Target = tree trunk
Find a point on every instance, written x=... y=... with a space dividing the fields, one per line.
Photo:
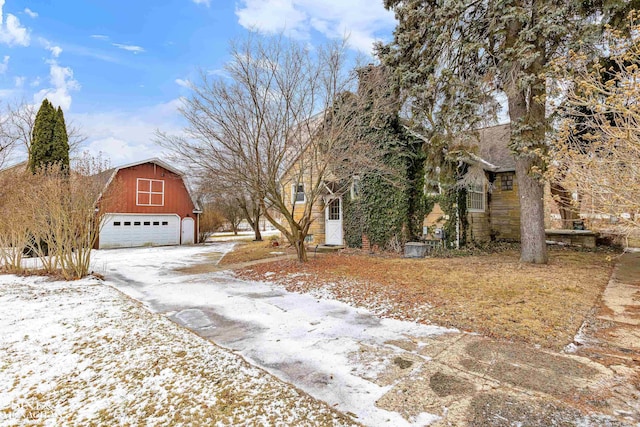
x=531 y=191
x=564 y=199
x=301 y=249
x=526 y=92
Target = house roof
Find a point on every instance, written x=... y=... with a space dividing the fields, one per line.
x=493 y=148
x=109 y=175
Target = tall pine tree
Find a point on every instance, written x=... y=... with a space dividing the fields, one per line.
x=50 y=142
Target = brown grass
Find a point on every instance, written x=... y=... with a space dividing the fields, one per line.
x=251 y=251
x=491 y=294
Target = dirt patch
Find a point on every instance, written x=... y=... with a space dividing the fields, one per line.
x=492 y=294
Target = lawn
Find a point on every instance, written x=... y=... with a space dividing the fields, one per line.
x=250 y=251
x=492 y=294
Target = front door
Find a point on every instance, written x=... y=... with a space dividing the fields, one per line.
x=333 y=221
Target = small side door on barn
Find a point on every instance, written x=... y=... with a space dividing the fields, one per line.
x=188 y=231
x=333 y=221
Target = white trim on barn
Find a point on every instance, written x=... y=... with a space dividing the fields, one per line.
x=120 y=230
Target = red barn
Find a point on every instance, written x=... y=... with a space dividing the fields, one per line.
x=149 y=205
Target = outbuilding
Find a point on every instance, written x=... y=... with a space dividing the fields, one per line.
x=150 y=204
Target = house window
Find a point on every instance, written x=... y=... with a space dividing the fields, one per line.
x=334 y=210
x=506 y=182
x=136 y=222
x=356 y=188
x=147 y=223
x=156 y=222
x=475 y=198
x=116 y=223
x=150 y=192
x=127 y=223
x=165 y=222
x=308 y=238
x=297 y=193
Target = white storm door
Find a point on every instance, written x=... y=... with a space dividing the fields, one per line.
x=333 y=221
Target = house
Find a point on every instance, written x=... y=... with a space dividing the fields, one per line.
x=326 y=212
x=149 y=204
x=492 y=199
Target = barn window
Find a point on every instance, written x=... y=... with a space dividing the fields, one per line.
x=475 y=198
x=506 y=182
x=127 y=223
x=156 y=222
x=150 y=192
x=297 y=193
x=165 y=222
x=116 y=223
x=147 y=223
x=136 y=222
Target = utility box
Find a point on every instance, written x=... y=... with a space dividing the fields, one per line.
x=415 y=250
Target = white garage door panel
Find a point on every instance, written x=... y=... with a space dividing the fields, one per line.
x=124 y=231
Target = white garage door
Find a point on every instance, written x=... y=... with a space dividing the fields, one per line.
x=125 y=231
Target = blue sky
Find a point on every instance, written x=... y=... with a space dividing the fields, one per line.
x=118 y=69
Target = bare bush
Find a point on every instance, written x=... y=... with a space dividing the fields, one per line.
x=56 y=215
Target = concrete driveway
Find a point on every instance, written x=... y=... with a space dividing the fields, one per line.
x=379 y=371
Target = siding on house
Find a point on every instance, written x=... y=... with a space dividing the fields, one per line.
x=505 y=210
x=316 y=235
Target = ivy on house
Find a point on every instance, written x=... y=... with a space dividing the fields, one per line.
x=390 y=206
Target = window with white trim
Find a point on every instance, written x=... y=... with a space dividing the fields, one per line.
x=150 y=192
x=475 y=198
x=297 y=193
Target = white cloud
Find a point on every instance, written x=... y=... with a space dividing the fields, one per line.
x=19 y=81
x=361 y=20
x=99 y=37
x=204 y=2
x=63 y=83
x=128 y=136
x=55 y=50
x=30 y=12
x=183 y=83
x=4 y=65
x=11 y=32
x=35 y=82
x=129 y=47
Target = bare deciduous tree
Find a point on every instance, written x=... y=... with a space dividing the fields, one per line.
x=602 y=107
x=273 y=116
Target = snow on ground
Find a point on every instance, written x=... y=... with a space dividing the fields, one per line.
x=82 y=353
x=312 y=343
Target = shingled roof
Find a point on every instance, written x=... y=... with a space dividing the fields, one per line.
x=493 y=147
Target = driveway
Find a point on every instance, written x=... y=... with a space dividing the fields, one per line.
x=379 y=371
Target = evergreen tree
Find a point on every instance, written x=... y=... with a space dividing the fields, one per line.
x=43 y=127
x=453 y=57
x=60 y=145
